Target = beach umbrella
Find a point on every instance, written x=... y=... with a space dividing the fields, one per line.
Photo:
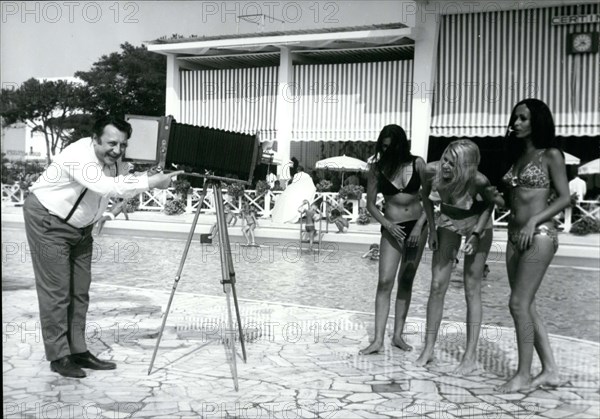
x=591 y=168
x=571 y=160
x=343 y=164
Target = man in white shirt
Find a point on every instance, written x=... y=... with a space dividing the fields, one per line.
x=579 y=187
x=67 y=199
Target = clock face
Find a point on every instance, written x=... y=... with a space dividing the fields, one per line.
x=582 y=42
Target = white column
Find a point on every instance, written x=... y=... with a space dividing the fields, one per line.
x=285 y=107
x=173 y=87
x=427 y=24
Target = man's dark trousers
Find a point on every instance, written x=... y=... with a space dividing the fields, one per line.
x=62 y=263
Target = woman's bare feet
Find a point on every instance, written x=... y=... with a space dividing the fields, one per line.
x=515 y=384
x=425 y=358
x=466 y=367
x=546 y=378
x=400 y=343
x=374 y=347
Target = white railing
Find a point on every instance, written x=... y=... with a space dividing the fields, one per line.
x=156 y=199
x=12 y=194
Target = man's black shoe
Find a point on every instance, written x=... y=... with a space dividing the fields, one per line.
x=65 y=367
x=87 y=360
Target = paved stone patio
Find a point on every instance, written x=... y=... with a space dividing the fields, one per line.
x=302 y=362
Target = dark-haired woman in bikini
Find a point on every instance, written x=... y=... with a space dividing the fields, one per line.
x=538 y=168
x=396 y=173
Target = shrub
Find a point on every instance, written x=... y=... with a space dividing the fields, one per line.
x=132 y=204
x=182 y=188
x=351 y=192
x=586 y=225
x=262 y=187
x=174 y=207
x=324 y=186
x=235 y=190
x=20 y=170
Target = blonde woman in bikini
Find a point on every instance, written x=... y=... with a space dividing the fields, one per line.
x=464 y=212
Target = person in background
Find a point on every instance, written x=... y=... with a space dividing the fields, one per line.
x=311 y=213
x=352 y=180
x=249 y=216
x=294 y=169
x=578 y=187
x=373 y=252
x=271 y=179
x=336 y=217
x=230 y=219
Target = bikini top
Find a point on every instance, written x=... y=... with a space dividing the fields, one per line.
x=532 y=176
x=459 y=213
x=412 y=187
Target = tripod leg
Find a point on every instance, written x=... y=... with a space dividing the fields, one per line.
x=231 y=272
x=300 y=233
x=225 y=254
x=177 y=277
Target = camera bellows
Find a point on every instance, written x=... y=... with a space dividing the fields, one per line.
x=226 y=153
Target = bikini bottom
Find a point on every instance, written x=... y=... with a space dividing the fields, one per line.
x=543 y=230
x=463 y=227
x=408 y=227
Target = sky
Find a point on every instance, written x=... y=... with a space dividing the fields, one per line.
x=58 y=38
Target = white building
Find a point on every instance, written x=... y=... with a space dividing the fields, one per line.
x=450 y=70
x=20 y=143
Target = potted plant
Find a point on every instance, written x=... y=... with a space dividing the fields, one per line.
x=351 y=192
x=182 y=188
x=235 y=190
x=585 y=225
x=174 y=207
x=262 y=187
x=324 y=186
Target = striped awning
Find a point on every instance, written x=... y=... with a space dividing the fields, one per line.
x=487 y=62
x=351 y=102
x=241 y=100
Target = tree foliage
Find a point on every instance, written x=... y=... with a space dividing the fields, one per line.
x=131 y=81
x=46 y=106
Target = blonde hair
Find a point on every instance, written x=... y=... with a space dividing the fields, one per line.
x=466 y=161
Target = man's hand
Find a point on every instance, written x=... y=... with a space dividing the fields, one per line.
x=162 y=180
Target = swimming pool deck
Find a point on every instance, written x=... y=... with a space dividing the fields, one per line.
x=302 y=361
x=580 y=250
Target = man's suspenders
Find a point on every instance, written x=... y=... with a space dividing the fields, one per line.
x=66 y=220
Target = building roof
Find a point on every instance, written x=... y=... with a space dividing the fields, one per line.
x=382 y=42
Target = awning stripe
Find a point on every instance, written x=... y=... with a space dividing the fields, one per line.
x=241 y=100
x=487 y=62
x=351 y=102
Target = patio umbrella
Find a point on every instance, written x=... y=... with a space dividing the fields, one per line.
x=571 y=160
x=343 y=164
x=591 y=168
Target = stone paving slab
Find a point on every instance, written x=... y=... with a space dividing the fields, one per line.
x=302 y=362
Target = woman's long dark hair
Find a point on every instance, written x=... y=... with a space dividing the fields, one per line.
x=543 y=132
x=397 y=153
